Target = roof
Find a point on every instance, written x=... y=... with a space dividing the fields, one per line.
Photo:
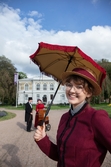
x=37 y=78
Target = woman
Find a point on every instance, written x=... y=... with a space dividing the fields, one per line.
x=84 y=133
x=39 y=106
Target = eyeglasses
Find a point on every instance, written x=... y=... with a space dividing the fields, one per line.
x=77 y=88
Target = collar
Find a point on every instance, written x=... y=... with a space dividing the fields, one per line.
x=77 y=109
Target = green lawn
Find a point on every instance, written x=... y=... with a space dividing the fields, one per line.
x=13 y=107
x=104 y=107
x=53 y=107
x=8 y=116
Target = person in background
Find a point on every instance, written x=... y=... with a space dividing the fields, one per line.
x=39 y=106
x=29 y=114
x=84 y=133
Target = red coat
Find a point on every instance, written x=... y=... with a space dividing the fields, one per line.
x=39 y=106
x=82 y=140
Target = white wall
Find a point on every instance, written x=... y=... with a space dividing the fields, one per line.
x=32 y=92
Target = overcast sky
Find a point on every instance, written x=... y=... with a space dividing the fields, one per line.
x=25 y=23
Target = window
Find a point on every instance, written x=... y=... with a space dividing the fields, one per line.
x=44 y=86
x=51 y=86
x=62 y=97
x=26 y=86
x=51 y=96
x=62 y=88
x=38 y=86
x=44 y=98
x=26 y=97
x=38 y=96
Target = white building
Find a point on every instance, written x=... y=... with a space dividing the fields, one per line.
x=40 y=88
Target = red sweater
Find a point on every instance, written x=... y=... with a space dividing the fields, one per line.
x=82 y=140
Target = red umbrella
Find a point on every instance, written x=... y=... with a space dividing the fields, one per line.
x=53 y=60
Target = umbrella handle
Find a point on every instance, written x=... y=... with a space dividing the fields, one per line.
x=41 y=122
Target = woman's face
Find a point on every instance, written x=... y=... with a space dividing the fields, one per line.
x=75 y=93
x=39 y=102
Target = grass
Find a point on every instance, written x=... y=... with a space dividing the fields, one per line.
x=13 y=107
x=8 y=116
x=103 y=107
x=59 y=107
x=53 y=107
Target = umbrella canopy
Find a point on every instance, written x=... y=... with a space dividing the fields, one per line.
x=53 y=60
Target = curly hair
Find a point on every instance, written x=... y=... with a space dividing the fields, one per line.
x=81 y=81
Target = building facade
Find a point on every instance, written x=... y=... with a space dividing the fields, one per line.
x=40 y=88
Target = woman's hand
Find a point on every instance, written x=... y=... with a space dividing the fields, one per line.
x=40 y=133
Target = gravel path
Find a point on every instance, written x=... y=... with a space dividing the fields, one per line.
x=17 y=147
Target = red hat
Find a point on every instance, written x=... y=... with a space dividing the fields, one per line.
x=87 y=74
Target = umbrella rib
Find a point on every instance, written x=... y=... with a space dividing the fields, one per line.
x=52 y=63
x=63 y=57
x=75 y=61
x=78 y=62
